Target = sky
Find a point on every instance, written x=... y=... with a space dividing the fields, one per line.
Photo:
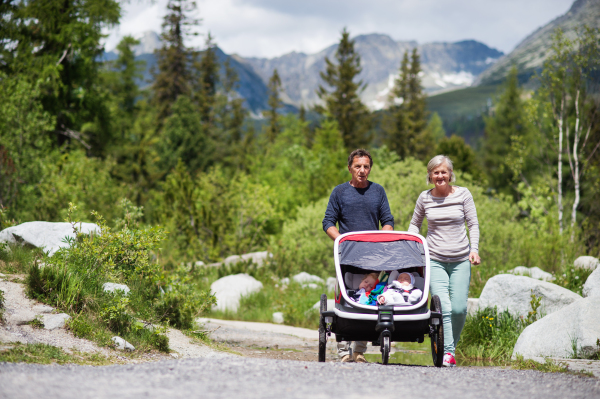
x=270 y=28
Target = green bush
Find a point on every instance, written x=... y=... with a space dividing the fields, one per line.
x=72 y=280
x=490 y=335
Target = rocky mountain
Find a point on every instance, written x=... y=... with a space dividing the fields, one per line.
x=531 y=53
x=445 y=65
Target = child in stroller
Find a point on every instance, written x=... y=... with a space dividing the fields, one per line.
x=401 y=291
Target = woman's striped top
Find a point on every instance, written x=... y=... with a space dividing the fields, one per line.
x=446 y=216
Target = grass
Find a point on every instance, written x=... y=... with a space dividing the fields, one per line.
x=293 y=300
x=48 y=354
x=489 y=335
x=16 y=259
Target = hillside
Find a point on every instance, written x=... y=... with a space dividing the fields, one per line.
x=530 y=54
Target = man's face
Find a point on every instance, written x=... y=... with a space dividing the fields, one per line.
x=360 y=169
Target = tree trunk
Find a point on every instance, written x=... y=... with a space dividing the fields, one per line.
x=575 y=166
x=560 y=151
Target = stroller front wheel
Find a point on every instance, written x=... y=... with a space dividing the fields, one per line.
x=385 y=349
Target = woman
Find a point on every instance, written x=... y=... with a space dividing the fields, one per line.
x=446 y=208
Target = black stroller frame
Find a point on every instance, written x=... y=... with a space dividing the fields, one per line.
x=382 y=325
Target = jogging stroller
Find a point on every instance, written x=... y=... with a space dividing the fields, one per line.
x=392 y=252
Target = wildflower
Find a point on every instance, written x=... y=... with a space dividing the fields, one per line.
x=576 y=277
x=491 y=318
x=564 y=275
x=490 y=325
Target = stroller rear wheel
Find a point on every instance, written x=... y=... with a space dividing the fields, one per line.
x=436 y=333
x=322 y=331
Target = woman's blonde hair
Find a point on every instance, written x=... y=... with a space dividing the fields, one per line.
x=437 y=161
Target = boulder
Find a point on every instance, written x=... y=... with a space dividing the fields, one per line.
x=533 y=272
x=278 y=317
x=306 y=280
x=42 y=309
x=591 y=287
x=586 y=262
x=229 y=289
x=112 y=287
x=331 y=283
x=54 y=321
x=256 y=257
x=121 y=344
x=46 y=235
x=556 y=334
x=513 y=293
x=472 y=306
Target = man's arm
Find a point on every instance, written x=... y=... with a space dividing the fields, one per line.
x=332 y=215
x=385 y=215
x=333 y=232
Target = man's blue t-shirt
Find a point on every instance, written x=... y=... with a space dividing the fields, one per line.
x=358 y=209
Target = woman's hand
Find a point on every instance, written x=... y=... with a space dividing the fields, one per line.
x=474 y=258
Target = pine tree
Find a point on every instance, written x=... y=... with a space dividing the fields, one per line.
x=343 y=103
x=207 y=79
x=274 y=105
x=405 y=125
x=506 y=126
x=174 y=75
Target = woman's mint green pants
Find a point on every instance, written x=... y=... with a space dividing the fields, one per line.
x=450 y=281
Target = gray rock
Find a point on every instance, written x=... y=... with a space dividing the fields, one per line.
x=46 y=235
x=42 y=309
x=112 y=287
x=121 y=344
x=591 y=287
x=330 y=282
x=472 y=306
x=54 y=321
x=513 y=293
x=587 y=262
x=229 y=289
x=278 y=317
x=533 y=272
x=555 y=334
x=305 y=279
x=256 y=257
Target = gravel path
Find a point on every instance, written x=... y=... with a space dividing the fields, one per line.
x=229 y=376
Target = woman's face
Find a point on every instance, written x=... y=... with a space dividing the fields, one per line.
x=440 y=176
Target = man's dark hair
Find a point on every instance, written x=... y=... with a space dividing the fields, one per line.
x=359 y=153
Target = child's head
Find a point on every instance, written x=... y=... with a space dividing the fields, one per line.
x=405 y=279
x=368 y=281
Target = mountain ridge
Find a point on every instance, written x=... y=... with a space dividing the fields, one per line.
x=530 y=54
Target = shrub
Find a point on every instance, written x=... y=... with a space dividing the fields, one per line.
x=490 y=335
x=72 y=280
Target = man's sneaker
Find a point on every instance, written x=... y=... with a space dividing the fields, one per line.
x=347 y=359
x=449 y=360
x=359 y=357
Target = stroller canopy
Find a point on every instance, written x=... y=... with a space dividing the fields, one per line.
x=381 y=251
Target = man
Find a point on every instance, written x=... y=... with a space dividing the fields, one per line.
x=357 y=206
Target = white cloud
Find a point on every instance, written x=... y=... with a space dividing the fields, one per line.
x=267 y=28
